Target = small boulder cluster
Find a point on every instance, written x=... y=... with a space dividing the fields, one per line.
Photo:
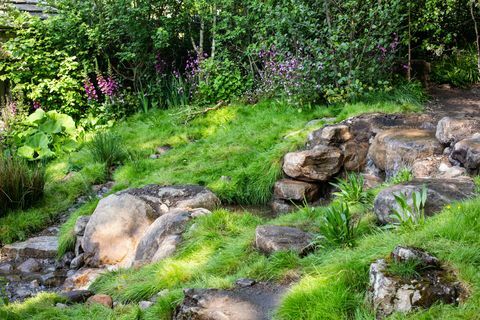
x=133 y=228
x=440 y=154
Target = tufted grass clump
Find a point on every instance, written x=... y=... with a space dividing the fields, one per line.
x=405 y=269
x=351 y=190
x=21 y=184
x=106 y=147
x=338 y=226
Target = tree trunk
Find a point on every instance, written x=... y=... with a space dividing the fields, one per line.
x=409 y=70
x=477 y=37
x=214 y=30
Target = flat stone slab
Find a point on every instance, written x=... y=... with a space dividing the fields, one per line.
x=44 y=247
x=269 y=239
x=256 y=302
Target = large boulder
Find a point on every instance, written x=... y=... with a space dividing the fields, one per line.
x=269 y=239
x=288 y=189
x=162 y=237
x=440 y=192
x=451 y=130
x=431 y=284
x=392 y=150
x=467 y=152
x=317 y=164
x=121 y=220
x=115 y=228
x=44 y=247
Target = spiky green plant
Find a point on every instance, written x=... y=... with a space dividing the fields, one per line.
x=410 y=215
x=106 y=147
x=338 y=226
x=351 y=190
x=21 y=184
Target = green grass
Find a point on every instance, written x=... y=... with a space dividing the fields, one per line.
x=219 y=249
x=236 y=151
x=245 y=144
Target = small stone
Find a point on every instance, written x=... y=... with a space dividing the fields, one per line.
x=6 y=268
x=78 y=246
x=77 y=296
x=61 y=305
x=200 y=212
x=145 y=304
x=80 y=225
x=77 y=262
x=34 y=284
x=281 y=207
x=53 y=279
x=243 y=283
x=102 y=299
x=30 y=265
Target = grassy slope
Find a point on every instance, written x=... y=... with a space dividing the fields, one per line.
x=244 y=143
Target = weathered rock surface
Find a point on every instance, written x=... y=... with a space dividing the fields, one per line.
x=391 y=293
x=102 y=299
x=333 y=135
x=355 y=155
x=139 y=226
x=467 y=152
x=451 y=130
x=269 y=239
x=317 y=164
x=115 y=228
x=440 y=193
x=165 y=198
x=282 y=206
x=44 y=247
x=82 y=279
x=29 y=266
x=392 y=150
x=80 y=225
x=288 y=189
x=256 y=302
x=162 y=237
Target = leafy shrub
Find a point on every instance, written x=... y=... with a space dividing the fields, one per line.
x=410 y=215
x=21 y=185
x=106 y=147
x=338 y=226
x=351 y=190
x=459 y=69
x=44 y=135
x=220 y=80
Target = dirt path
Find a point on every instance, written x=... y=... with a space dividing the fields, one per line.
x=454 y=102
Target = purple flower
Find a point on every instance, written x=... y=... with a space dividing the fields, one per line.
x=36 y=105
x=108 y=86
x=90 y=90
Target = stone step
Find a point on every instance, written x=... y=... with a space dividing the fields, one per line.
x=44 y=247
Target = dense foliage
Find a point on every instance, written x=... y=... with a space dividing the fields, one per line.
x=100 y=60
